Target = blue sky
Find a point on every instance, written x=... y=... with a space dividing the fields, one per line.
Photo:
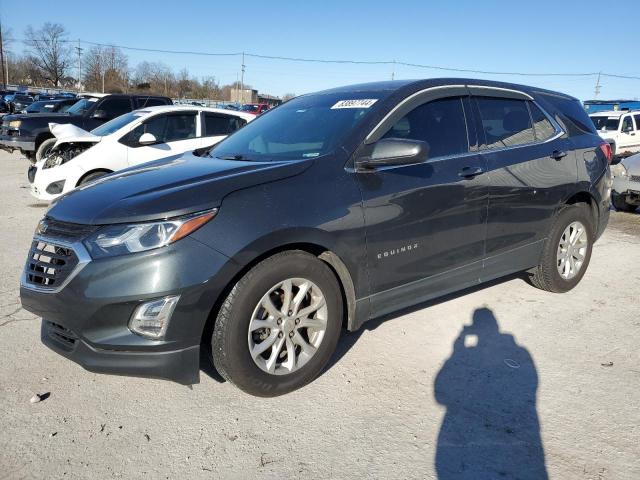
x=542 y=36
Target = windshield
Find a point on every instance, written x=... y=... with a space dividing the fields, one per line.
x=115 y=124
x=82 y=106
x=306 y=127
x=249 y=108
x=22 y=98
x=606 y=123
x=41 y=107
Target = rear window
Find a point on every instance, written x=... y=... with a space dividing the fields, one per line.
x=606 y=123
x=506 y=122
x=151 y=102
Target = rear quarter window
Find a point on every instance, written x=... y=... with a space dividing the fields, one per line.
x=568 y=112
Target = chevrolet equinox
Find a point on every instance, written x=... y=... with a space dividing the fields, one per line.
x=325 y=212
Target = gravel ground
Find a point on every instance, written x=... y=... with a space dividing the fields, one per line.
x=555 y=389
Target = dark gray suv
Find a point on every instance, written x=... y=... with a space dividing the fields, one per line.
x=330 y=210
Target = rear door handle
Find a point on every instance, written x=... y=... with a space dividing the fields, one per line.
x=558 y=154
x=470 y=172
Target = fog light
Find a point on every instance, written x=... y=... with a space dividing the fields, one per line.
x=151 y=319
x=55 y=187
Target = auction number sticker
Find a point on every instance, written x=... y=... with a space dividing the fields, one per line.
x=360 y=103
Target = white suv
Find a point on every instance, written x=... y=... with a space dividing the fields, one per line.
x=621 y=129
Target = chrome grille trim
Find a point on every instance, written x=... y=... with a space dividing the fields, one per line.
x=78 y=249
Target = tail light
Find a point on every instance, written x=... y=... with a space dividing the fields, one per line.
x=608 y=153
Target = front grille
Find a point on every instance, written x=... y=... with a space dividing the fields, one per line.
x=635 y=178
x=64 y=337
x=65 y=230
x=31 y=173
x=48 y=264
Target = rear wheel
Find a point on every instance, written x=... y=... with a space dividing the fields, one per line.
x=279 y=325
x=44 y=149
x=567 y=251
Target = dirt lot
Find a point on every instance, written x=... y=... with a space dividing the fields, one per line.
x=556 y=388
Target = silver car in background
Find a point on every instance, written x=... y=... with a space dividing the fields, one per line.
x=625 y=194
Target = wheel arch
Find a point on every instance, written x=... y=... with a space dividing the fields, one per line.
x=41 y=137
x=95 y=170
x=323 y=253
x=587 y=198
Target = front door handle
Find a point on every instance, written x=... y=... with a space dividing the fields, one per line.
x=558 y=154
x=470 y=172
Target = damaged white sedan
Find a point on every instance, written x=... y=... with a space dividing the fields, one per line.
x=152 y=133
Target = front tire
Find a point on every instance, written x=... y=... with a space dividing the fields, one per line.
x=279 y=325
x=567 y=250
x=44 y=149
x=91 y=177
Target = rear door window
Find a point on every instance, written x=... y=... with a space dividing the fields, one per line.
x=506 y=122
x=218 y=124
x=441 y=123
x=637 y=119
x=114 y=107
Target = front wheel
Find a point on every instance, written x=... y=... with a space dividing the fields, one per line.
x=567 y=250
x=279 y=325
x=45 y=148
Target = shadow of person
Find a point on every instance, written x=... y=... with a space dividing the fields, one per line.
x=491 y=428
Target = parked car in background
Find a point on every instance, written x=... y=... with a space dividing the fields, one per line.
x=19 y=102
x=4 y=108
x=336 y=208
x=621 y=129
x=79 y=157
x=254 y=108
x=625 y=194
x=51 y=106
x=30 y=133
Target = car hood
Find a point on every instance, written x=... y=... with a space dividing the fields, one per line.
x=54 y=117
x=67 y=133
x=166 y=188
x=632 y=164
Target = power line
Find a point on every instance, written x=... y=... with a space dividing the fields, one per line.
x=393 y=63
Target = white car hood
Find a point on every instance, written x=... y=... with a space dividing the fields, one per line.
x=67 y=133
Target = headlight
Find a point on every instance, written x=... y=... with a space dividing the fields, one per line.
x=113 y=240
x=15 y=123
x=619 y=170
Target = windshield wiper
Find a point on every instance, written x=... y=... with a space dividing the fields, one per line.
x=231 y=157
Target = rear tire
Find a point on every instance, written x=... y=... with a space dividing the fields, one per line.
x=289 y=363
x=563 y=263
x=45 y=148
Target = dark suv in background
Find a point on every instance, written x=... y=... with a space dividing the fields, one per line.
x=30 y=133
x=330 y=210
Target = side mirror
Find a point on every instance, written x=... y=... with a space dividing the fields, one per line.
x=100 y=115
x=147 y=139
x=394 y=151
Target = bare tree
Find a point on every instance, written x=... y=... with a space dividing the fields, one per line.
x=105 y=69
x=288 y=96
x=49 y=51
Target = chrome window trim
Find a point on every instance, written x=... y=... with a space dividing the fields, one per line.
x=79 y=249
x=406 y=100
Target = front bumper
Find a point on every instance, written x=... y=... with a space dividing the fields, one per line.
x=626 y=184
x=10 y=143
x=87 y=319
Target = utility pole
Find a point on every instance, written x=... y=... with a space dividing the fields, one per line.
x=79 y=49
x=597 y=89
x=242 y=80
x=393 y=70
x=4 y=79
